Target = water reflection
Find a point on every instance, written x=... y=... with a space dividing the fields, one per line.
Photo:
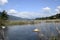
x=25 y=32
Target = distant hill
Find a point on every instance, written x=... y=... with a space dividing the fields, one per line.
x=16 y=18
x=57 y=16
x=10 y=17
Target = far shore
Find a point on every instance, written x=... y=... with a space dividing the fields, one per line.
x=22 y=22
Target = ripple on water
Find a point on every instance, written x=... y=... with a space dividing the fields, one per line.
x=25 y=32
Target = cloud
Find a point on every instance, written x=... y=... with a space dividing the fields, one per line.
x=32 y=15
x=46 y=9
x=29 y=14
x=24 y=14
x=12 y=11
x=57 y=9
x=2 y=2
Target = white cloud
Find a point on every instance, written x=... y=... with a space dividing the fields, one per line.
x=24 y=14
x=29 y=14
x=2 y=2
x=46 y=9
x=12 y=11
x=57 y=9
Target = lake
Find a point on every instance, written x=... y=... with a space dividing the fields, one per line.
x=25 y=32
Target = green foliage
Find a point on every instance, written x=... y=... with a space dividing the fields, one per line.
x=57 y=16
x=53 y=38
x=4 y=15
x=3 y=18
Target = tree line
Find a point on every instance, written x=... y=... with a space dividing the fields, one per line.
x=57 y=16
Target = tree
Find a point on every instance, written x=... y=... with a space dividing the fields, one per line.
x=3 y=18
x=4 y=15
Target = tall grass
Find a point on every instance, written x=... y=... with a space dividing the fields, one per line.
x=20 y=22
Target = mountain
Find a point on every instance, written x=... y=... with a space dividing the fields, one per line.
x=57 y=16
x=16 y=18
x=10 y=17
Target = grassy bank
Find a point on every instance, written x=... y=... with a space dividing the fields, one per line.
x=49 y=20
x=22 y=22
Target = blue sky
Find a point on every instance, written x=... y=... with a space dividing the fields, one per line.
x=30 y=8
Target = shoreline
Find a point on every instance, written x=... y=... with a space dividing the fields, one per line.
x=20 y=22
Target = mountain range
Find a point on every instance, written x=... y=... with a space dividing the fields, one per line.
x=11 y=17
x=16 y=18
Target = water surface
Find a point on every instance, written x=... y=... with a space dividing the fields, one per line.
x=25 y=32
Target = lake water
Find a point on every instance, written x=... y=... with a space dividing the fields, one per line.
x=25 y=32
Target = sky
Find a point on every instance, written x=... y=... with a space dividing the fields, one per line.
x=30 y=8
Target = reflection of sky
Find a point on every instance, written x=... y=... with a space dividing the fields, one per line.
x=25 y=32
